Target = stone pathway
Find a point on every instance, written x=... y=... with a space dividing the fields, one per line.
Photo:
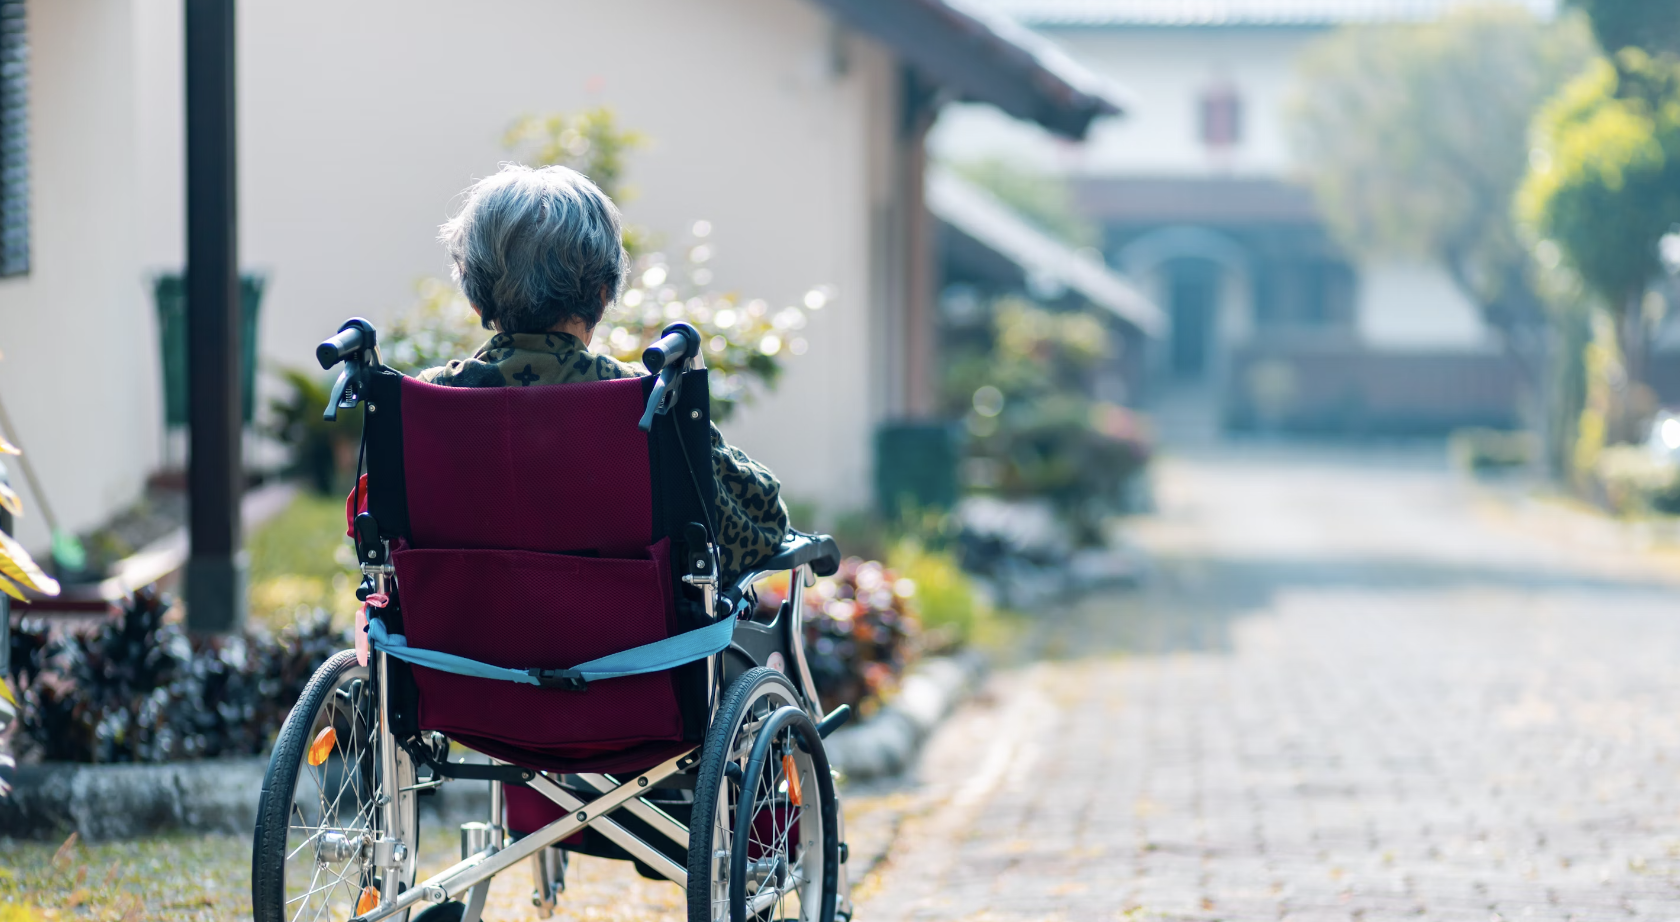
x=1353 y=690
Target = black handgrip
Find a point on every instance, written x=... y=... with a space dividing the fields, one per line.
x=343 y=343
x=354 y=336
x=668 y=349
x=677 y=342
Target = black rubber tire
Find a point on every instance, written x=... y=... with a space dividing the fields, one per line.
x=753 y=685
x=803 y=731
x=274 y=806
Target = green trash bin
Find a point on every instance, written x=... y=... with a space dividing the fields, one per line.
x=915 y=467
x=170 y=293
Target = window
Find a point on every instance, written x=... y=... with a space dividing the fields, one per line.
x=1304 y=293
x=1221 y=116
x=14 y=140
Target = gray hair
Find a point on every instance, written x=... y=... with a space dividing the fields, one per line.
x=535 y=247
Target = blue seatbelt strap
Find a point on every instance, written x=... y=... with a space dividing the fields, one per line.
x=658 y=656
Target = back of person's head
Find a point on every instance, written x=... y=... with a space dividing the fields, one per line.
x=537 y=247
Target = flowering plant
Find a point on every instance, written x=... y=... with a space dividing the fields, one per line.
x=861 y=631
x=745 y=338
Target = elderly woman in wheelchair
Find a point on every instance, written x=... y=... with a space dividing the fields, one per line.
x=559 y=579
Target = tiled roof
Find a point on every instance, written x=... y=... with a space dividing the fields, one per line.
x=1235 y=12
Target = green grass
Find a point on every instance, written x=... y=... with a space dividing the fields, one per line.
x=170 y=877
x=300 y=561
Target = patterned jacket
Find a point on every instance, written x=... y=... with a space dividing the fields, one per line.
x=751 y=519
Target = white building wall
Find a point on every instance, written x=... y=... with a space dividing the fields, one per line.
x=1412 y=306
x=360 y=123
x=1401 y=306
x=79 y=377
x=1167 y=71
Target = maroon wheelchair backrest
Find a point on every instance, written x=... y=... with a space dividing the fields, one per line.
x=531 y=544
x=559 y=468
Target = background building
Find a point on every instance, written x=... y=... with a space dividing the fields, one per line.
x=1268 y=319
x=795 y=127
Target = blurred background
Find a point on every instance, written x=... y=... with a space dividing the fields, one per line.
x=1028 y=301
x=1005 y=243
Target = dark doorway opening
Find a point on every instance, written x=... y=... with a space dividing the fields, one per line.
x=1193 y=302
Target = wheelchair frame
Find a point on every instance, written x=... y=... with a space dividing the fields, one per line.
x=590 y=800
x=470 y=878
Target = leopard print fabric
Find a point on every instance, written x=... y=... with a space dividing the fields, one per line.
x=752 y=521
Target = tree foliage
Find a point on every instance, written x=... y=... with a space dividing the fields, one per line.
x=1652 y=25
x=590 y=142
x=1414 y=140
x=746 y=339
x=1604 y=183
x=1022 y=390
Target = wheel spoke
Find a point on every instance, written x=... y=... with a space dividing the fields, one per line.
x=340 y=796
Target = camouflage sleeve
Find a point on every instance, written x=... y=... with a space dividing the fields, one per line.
x=464 y=373
x=752 y=520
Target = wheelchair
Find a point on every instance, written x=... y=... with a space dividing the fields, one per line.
x=541 y=576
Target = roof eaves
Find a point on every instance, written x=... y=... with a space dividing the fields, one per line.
x=981 y=216
x=985 y=56
x=1236 y=13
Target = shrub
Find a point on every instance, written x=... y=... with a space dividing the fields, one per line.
x=951 y=612
x=861 y=629
x=322 y=453
x=1492 y=449
x=1034 y=432
x=1635 y=481
x=138 y=689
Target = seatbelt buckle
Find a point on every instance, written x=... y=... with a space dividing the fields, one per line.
x=563 y=679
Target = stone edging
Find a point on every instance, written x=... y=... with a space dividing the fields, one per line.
x=887 y=743
x=106 y=802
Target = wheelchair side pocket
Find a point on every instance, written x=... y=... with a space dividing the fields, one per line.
x=523 y=610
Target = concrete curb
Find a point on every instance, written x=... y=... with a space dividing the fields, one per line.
x=105 y=802
x=887 y=743
x=110 y=802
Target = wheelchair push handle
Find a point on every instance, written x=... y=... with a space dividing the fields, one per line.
x=356 y=345
x=679 y=343
x=355 y=336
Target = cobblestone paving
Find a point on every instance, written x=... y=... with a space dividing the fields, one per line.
x=1352 y=690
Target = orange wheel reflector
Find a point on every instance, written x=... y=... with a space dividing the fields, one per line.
x=369 y=901
x=791 y=771
x=322 y=746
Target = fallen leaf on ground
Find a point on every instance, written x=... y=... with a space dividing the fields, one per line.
x=62 y=856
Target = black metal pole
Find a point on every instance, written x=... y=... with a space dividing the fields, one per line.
x=215 y=583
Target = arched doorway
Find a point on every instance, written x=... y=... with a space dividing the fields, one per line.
x=1192 y=288
x=1199 y=277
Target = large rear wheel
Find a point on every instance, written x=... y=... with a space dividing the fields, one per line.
x=764 y=834
x=325 y=848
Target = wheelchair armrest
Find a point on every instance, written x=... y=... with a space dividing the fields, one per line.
x=819 y=551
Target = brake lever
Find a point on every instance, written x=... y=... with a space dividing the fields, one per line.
x=344 y=393
x=338 y=388
x=664 y=394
